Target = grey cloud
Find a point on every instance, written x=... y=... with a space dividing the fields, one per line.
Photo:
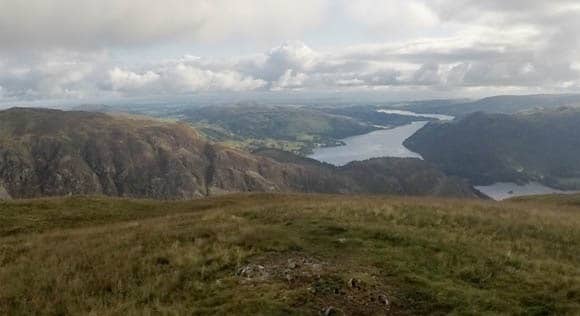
x=87 y=24
x=497 y=10
x=291 y=66
x=428 y=74
x=482 y=44
x=59 y=75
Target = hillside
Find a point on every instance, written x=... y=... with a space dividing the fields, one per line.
x=505 y=104
x=288 y=254
x=55 y=153
x=369 y=114
x=538 y=146
x=293 y=128
x=399 y=176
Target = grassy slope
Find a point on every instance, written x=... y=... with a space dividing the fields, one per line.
x=428 y=256
x=297 y=129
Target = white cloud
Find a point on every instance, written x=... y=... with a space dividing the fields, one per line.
x=185 y=78
x=290 y=80
x=291 y=55
x=59 y=74
x=123 y=80
x=178 y=78
x=82 y=48
x=454 y=64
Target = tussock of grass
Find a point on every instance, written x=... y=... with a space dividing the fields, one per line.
x=429 y=256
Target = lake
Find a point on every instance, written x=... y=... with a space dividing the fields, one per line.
x=382 y=143
x=440 y=117
x=503 y=190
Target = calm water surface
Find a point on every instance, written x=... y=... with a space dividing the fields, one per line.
x=440 y=117
x=382 y=143
x=503 y=190
x=389 y=143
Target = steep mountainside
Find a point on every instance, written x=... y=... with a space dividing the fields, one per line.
x=382 y=176
x=486 y=148
x=49 y=153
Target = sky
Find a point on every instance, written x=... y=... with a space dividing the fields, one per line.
x=85 y=50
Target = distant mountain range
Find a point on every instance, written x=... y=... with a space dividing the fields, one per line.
x=506 y=104
x=539 y=146
x=54 y=153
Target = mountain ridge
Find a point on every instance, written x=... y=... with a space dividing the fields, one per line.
x=541 y=145
x=505 y=104
x=52 y=153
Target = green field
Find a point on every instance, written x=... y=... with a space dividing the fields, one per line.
x=269 y=254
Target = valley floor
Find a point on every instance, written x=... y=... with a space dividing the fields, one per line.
x=264 y=254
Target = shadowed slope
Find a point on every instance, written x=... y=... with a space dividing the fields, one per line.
x=539 y=146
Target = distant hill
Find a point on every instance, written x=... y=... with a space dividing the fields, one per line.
x=55 y=153
x=370 y=115
x=292 y=128
x=102 y=108
x=539 y=146
x=506 y=104
x=298 y=129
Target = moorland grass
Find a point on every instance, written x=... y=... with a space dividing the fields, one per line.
x=101 y=256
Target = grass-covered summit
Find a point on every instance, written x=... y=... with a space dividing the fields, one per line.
x=290 y=254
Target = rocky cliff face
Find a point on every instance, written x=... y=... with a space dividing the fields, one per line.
x=47 y=153
x=55 y=153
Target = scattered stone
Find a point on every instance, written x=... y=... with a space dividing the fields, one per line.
x=288 y=276
x=316 y=266
x=292 y=264
x=383 y=299
x=253 y=271
x=354 y=284
x=329 y=311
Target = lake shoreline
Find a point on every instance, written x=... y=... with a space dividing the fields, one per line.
x=385 y=142
x=505 y=190
x=379 y=143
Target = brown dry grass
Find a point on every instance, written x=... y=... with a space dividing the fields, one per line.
x=104 y=256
